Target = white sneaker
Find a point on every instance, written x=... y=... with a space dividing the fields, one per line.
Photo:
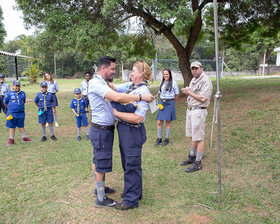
x=47 y=124
x=56 y=124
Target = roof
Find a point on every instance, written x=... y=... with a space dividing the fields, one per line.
x=14 y=55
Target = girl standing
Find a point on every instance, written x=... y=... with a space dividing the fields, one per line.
x=53 y=89
x=169 y=93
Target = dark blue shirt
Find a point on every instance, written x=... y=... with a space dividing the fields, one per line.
x=15 y=101
x=82 y=105
x=44 y=100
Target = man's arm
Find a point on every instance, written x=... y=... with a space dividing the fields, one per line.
x=126 y=98
x=129 y=117
x=188 y=91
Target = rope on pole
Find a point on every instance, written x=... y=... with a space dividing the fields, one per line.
x=217 y=97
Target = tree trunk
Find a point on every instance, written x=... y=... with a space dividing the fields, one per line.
x=184 y=65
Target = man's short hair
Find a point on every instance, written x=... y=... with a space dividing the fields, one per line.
x=106 y=60
x=87 y=73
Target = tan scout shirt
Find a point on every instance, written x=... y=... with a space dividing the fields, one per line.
x=203 y=87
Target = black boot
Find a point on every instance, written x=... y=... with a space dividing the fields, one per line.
x=197 y=165
x=166 y=141
x=190 y=160
x=159 y=140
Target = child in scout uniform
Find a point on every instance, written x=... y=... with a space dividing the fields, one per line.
x=14 y=101
x=79 y=108
x=4 y=88
x=43 y=101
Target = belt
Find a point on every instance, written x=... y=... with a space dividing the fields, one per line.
x=166 y=100
x=103 y=127
x=196 y=107
x=130 y=124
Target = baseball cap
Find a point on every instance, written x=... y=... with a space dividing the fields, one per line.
x=1 y=75
x=16 y=83
x=44 y=84
x=196 y=64
x=77 y=91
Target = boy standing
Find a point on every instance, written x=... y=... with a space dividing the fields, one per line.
x=4 y=88
x=43 y=101
x=15 y=101
x=79 y=108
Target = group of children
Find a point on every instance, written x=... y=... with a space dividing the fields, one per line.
x=12 y=103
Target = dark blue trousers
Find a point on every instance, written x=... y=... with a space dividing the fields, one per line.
x=131 y=140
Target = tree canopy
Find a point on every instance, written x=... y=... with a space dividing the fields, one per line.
x=95 y=26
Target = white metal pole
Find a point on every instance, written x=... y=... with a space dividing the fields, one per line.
x=218 y=96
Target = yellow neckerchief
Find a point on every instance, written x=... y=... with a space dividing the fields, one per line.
x=78 y=105
x=45 y=96
x=17 y=96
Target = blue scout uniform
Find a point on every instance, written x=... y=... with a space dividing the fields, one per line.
x=4 y=88
x=15 y=108
x=44 y=101
x=102 y=127
x=131 y=139
x=79 y=106
x=84 y=89
x=52 y=88
x=167 y=99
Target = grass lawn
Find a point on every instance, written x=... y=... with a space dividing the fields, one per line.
x=52 y=182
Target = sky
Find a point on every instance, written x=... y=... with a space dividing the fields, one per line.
x=13 y=21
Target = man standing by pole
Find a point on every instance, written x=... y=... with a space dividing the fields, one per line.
x=198 y=98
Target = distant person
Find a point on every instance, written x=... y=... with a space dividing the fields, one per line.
x=103 y=124
x=53 y=89
x=132 y=134
x=169 y=93
x=43 y=101
x=84 y=87
x=79 y=108
x=4 y=88
x=14 y=101
x=198 y=98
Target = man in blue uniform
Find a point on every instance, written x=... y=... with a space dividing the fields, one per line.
x=102 y=126
x=79 y=108
x=84 y=87
x=4 y=88
x=14 y=101
x=43 y=101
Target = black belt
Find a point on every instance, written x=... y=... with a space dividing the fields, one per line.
x=196 y=107
x=166 y=100
x=130 y=124
x=103 y=127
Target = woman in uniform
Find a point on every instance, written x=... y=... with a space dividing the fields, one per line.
x=132 y=135
x=169 y=93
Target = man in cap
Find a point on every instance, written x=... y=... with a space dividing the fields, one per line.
x=15 y=101
x=198 y=98
x=4 y=88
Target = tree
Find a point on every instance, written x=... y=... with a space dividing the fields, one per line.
x=2 y=36
x=98 y=22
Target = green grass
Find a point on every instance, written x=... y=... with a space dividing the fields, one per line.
x=52 y=182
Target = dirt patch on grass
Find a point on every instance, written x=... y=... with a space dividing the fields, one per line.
x=198 y=219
